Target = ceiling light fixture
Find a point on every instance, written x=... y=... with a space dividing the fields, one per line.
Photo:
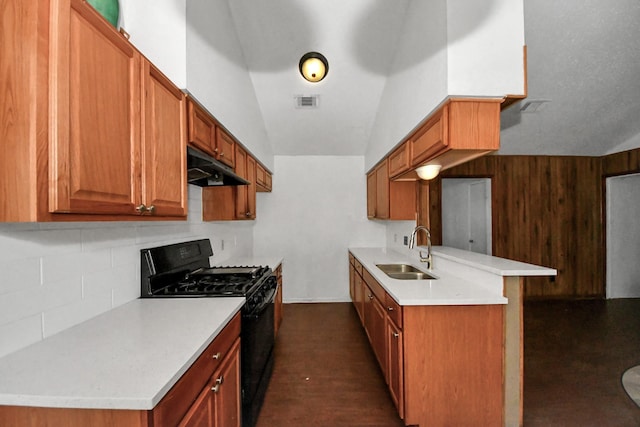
x=313 y=66
x=428 y=172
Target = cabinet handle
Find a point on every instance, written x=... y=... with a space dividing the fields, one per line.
x=216 y=356
x=396 y=335
x=151 y=209
x=141 y=208
x=389 y=308
x=219 y=381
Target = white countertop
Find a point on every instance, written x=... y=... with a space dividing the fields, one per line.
x=126 y=358
x=462 y=279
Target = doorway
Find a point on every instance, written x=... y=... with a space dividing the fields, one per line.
x=466 y=214
x=623 y=236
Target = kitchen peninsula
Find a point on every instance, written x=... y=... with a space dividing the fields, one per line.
x=450 y=348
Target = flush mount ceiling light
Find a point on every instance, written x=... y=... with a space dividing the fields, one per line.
x=313 y=66
x=428 y=172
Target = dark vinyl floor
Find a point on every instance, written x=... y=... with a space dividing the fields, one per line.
x=575 y=353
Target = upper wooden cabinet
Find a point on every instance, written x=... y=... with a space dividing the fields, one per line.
x=86 y=118
x=263 y=179
x=459 y=131
x=207 y=135
x=388 y=199
x=400 y=160
x=236 y=202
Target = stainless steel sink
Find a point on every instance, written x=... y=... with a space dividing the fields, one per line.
x=404 y=272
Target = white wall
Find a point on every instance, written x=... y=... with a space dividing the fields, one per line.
x=218 y=77
x=485 y=47
x=158 y=29
x=317 y=210
x=54 y=276
x=417 y=82
x=623 y=235
x=449 y=47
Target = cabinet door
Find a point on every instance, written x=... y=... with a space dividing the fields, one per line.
x=225 y=148
x=382 y=191
x=400 y=160
x=395 y=371
x=374 y=324
x=431 y=138
x=371 y=194
x=201 y=128
x=241 y=190
x=251 y=188
x=359 y=292
x=227 y=395
x=95 y=114
x=164 y=145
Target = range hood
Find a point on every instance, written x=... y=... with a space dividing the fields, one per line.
x=205 y=171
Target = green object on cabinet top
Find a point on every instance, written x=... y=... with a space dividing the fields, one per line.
x=110 y=9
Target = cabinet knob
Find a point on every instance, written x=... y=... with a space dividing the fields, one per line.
x=216 y=356
x=222 y=154
x=396 y=335
x=389 y=308
x=215 y=388
x=215 y=150
x=248 y=214
x=141 y=208
x=370 y=296
x=151 y=209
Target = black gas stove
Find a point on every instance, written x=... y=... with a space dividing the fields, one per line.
x=183 y=270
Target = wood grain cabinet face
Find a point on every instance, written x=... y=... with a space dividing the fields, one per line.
x=164 y=145
x=90 y=114
x=95 y=115
x=386 y=199
x=263 y=179
x=395 y=363
x=202 y=128
x=225 y=148
x=233 y=202
x=400 y=160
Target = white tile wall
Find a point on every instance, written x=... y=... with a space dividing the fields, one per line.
x=54 y=276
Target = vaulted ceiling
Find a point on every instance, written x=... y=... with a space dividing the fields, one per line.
x=583 y=65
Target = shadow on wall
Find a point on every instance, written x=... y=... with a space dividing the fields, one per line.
x=277 y=32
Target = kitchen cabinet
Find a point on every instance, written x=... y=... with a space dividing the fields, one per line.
x=462 y=129
x=263 y=179
x=186 y=402
x=218 y=404
x=386 y=199
x=278 y=300
x=236 y=202
x=400 y=160
x=78 y=141
x=207 y=135
x=357 y=290
x=443 y=364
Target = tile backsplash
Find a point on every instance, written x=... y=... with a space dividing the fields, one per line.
x=54 y=276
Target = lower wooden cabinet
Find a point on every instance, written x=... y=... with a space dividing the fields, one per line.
x=218 y=404
x=193 y=401
x=443 y=364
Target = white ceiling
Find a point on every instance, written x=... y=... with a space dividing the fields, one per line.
x=583 y=57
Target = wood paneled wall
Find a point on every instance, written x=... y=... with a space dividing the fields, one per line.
x=546 y=210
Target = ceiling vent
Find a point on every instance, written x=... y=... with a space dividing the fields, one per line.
x=533 y=106
x=307 y=101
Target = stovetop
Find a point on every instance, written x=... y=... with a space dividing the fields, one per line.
x=218 y=281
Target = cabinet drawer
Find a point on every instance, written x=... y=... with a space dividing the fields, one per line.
x=431 y=139
x=394 y=310
x=375 y=287
x=175 y=404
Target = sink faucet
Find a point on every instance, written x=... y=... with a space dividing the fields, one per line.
x=412 y=242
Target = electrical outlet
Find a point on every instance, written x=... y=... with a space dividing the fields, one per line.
x=406 y=240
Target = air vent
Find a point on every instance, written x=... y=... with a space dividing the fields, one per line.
x=306 y=101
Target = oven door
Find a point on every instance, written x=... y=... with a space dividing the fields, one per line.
x=257 y=340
